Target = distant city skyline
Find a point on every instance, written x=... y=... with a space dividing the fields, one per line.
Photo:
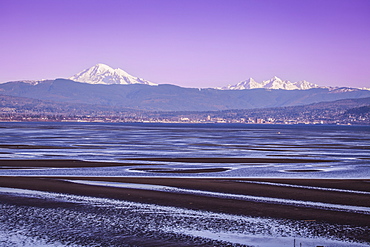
x=203 y=43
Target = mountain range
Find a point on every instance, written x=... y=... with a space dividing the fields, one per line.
x=103 y=74
x=273 y=83
x=101 y=85
x=166 y=97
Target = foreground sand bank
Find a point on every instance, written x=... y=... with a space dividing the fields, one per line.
x=331 y=191
x=224 y=205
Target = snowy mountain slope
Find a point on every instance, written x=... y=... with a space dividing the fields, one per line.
x=273 y=83
x=103 y=74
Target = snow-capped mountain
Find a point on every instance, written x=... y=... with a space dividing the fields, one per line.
x=248 y=84
x=273 y=83
x=103 y=74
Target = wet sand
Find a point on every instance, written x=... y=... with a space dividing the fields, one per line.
x=330 y=191
x=165 y=170
x=242 y=186
x=66 y=163
x=58 y=163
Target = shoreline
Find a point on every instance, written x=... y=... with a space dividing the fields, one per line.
x=104 y=121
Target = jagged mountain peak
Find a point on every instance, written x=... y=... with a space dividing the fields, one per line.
x=275 y=78
x=104 y=74
x=247 y=84
x=273 y=83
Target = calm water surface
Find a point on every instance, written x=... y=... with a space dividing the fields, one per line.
x=347 y=147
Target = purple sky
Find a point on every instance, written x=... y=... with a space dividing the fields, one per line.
x=191 y=43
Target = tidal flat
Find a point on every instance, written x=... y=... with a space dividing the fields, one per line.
x=78 y=184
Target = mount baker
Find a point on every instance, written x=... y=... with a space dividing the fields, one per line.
x=103 y=74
